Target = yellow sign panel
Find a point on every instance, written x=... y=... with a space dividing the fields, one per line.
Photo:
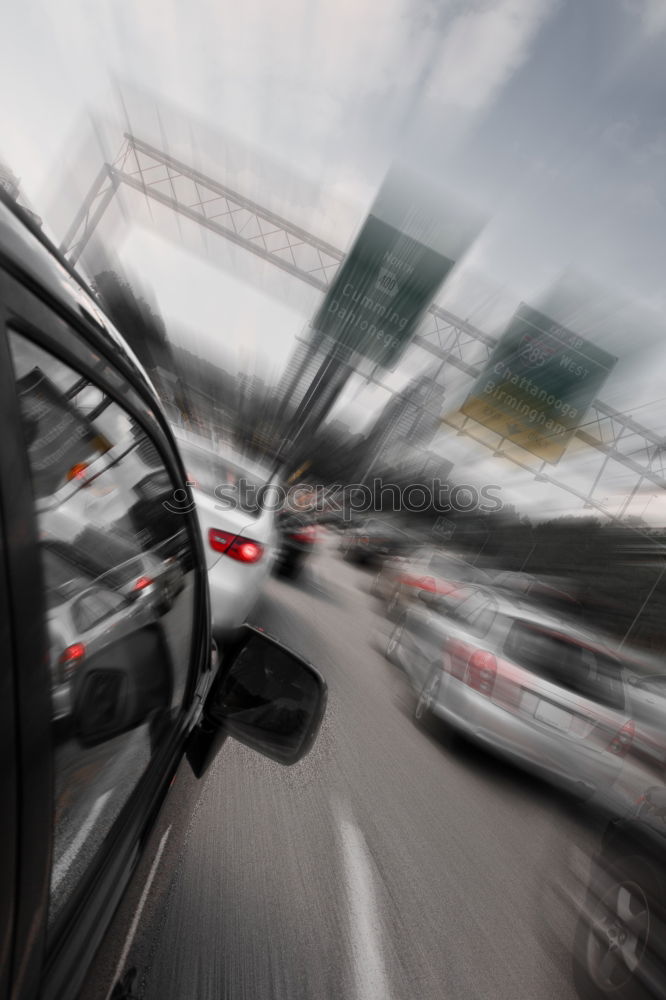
x=546 y=445
x=538 y=384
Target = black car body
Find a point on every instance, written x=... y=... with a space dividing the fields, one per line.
x=155 y=702
x=373 y=541
x=297 y=536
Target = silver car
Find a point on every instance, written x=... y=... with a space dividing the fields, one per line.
x=85 y=619
x=432 y=569
x=525 y=684
x=647 y=696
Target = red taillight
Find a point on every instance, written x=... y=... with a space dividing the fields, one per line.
x=220 y=540
x=458 y=656
x=307 y=534
x=620 y=745
x=77 y=471
x=420 y=582
x=142 y=583
x=69 y=658
x=245 y=550
x=235 y=546
x=481 y=672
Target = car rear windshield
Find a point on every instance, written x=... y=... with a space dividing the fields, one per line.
x=577 y=668
x=62 y=579
x=220 y=479
x=655 y=685
x=98 y=556
x=456 y=569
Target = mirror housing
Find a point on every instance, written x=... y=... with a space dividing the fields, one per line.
x=264 y=696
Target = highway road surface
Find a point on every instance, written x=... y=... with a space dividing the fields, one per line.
x=391 y=863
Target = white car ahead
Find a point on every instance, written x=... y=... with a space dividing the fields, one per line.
x=240 y=538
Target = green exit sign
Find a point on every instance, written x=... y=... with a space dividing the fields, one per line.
x=538 y=384
x=406 y=248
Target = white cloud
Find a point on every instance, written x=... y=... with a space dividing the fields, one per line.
x=651 y=14
x=483 y=48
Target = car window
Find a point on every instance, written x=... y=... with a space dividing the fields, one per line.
x=653 y=685
x=95 y=606
x=456 y=569
x=221 y=480
x=118 y=575
x=62 y=579
x=472 y=606
x=445 y=567
x=564 y=662
x=476 y=610
x=482 y=618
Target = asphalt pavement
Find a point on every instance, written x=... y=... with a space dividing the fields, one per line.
x=391 y=863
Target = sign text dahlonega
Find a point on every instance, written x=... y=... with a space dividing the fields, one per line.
x=380 y=293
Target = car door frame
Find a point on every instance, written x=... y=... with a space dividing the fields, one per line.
x=27 y=308
x=8 y=769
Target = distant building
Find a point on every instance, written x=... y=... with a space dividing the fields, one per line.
x=250 y=386
x=299 y=374
x=408 y=422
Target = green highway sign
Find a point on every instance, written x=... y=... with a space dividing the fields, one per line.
x=380 y=293
x=538 y=384
x=406 y=248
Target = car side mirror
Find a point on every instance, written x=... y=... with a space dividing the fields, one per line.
x=123 y=685
x=264 y=696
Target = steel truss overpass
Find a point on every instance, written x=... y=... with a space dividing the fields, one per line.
x=159 y=177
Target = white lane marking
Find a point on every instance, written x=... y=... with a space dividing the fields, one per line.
x=370 y=976
x=61 y=868
x=139 y=910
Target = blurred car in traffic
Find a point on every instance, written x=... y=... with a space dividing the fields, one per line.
x=297 y=538
x=372 y=541
x=548 y=593
x=647 y=697
x=239 y=533
x=525 y=684
x=112 y=561
x=431 y=569
x=91 y=625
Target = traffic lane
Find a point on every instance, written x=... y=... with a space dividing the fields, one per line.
x=517 y=840
x=383 y=864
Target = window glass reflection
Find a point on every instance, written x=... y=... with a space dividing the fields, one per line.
x=119 y=596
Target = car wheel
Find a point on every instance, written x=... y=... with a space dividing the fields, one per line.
x=615 y=936
x=285 y=567
x=428 y=696
x=294 y=570
x=165 y=602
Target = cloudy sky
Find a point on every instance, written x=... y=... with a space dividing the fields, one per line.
x=546 y=115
